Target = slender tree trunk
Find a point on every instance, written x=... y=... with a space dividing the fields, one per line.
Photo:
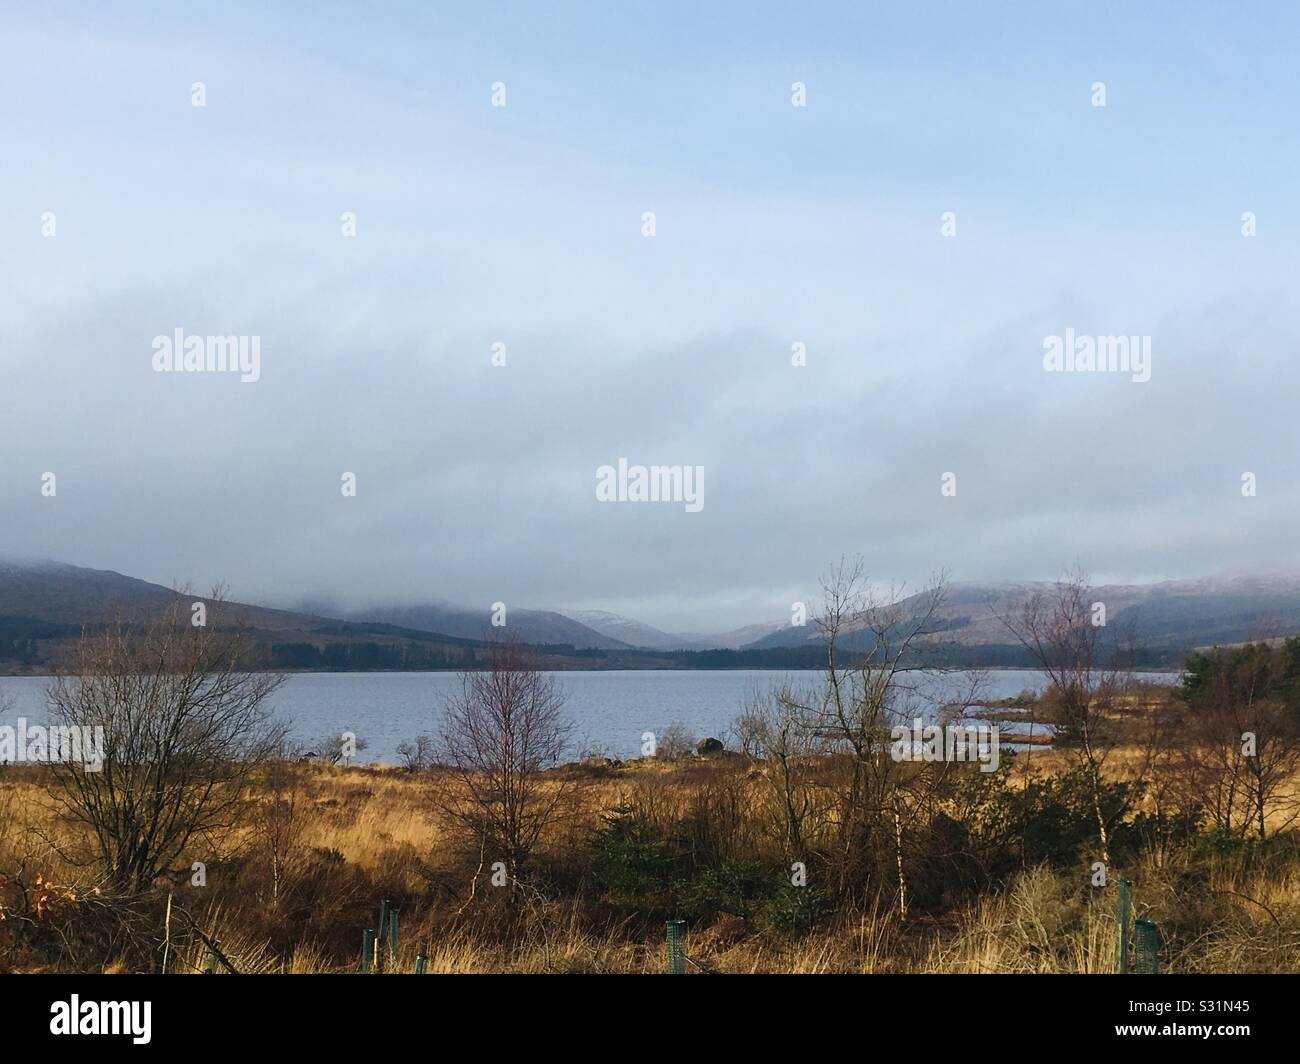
x=898 y=857
x=1094 y=771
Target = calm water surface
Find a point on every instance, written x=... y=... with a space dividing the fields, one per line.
x=610 y=710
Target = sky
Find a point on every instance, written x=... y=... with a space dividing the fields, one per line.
x=948 y=196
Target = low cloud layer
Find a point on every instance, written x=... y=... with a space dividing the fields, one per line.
x=477 y=483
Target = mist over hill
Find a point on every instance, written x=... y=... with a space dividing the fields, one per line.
x=539 y=627
x=1167 y=616
x=45 y=605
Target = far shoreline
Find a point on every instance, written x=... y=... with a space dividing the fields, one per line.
x=1171 y=670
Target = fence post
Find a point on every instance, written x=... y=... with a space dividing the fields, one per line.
x=1146 y=947
x=420 y=961
x=676 y=933
x=367 y=949
x=211 y=967
x=1123 y=910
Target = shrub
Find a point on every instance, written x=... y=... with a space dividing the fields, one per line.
x=674 y=742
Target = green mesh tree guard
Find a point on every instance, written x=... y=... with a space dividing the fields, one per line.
x=1146 y=947
x=392 y=938
x=367 y=948
x=676 y=938
x=381 y=935
x=1123 y=910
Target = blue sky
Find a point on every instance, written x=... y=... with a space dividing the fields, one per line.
x=775 y=224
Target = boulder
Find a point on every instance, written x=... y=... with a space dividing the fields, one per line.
x=709 y=746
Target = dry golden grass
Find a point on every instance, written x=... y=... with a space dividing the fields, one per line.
x=375 y=822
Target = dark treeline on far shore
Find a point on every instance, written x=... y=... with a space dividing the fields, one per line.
x=343 y=648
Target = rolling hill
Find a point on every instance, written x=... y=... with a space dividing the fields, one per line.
x=44 y=606
x=1171 y=616
x=540 y=627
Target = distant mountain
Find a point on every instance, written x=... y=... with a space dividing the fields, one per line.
x=1170 y=616
x=750 y=635
x=630 y=632
x=43 y=606
x=54 y=593
x=62 y=594
x=647 y=637
x=532 y=626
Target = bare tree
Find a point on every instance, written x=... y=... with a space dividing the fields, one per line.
x=1087 y=672
x=775 y=730
x=1241 y=742
x=183 y=723
x=499 y=733
x=417 y=753
x=338 y=748
x=280 y=823
x=873 y=641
